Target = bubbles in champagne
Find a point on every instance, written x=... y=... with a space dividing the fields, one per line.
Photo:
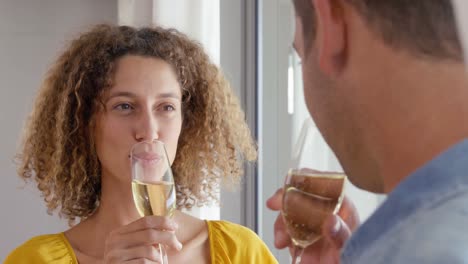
x=308 y=199
x=156 y=198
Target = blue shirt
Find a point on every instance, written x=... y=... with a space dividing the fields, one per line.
x=424 y=219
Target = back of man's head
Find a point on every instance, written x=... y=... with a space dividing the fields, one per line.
x=424 y=27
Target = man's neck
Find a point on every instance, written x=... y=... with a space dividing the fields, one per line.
x=422 y=112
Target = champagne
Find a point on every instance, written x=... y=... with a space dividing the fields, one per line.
x=155 y=198
x=308 y=199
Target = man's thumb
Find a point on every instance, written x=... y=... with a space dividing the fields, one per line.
x=336 y=231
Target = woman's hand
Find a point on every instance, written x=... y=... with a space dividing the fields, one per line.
x=336 y=230
x=138 y=241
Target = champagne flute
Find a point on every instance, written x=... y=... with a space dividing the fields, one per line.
x=152 y=182
x=310 y=195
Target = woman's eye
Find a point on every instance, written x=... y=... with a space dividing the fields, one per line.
x=123 y=107
x=168 y=108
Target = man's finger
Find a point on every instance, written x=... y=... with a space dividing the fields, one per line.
x=274 y=202
x=349 y=214
x=336 y=231
x=282 y=238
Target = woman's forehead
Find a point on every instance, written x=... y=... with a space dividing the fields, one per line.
x=144 y=75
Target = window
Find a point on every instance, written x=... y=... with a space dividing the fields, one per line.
x=282 y=111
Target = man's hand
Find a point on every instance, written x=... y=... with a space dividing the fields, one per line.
x=336 y=230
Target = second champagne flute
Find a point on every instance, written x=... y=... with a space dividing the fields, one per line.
x=310 y=196
x=152 y=182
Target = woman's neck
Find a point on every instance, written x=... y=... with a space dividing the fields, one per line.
x=116 y=209
x=116 y=206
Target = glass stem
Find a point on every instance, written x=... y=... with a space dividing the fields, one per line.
x=163 y=254
x=297 y=254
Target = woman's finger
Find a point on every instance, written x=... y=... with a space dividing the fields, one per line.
x=144 y=238
x=149 y=222
x=141 y=261
x=148 y=252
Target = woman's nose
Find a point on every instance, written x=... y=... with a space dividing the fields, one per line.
x=146 y=129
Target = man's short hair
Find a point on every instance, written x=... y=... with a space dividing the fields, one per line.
x=423 y=27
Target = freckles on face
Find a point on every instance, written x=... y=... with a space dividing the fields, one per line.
x=143 y=104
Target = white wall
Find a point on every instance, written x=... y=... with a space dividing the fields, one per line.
x=31 y=35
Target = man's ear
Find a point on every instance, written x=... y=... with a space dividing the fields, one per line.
x=331 y=35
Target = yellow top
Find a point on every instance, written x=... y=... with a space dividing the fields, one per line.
x=229 y=243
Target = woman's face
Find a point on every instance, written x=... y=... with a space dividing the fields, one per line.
x=143 y=104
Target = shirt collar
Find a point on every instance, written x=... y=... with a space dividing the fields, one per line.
x=444 y=175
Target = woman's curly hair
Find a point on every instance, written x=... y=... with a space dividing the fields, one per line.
x=58 y=150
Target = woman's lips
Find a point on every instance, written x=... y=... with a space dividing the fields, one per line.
x=148 y=158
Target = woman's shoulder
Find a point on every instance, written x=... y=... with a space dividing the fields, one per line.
x=43 y=249
x=237 y=242
x=231 y=230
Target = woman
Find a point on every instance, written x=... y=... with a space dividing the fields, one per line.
x=114 y=87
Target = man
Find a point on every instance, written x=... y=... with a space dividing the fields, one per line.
x=386 y=85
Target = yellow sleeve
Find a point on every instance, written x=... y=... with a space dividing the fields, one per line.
x=232 y=243
x=43 y=249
